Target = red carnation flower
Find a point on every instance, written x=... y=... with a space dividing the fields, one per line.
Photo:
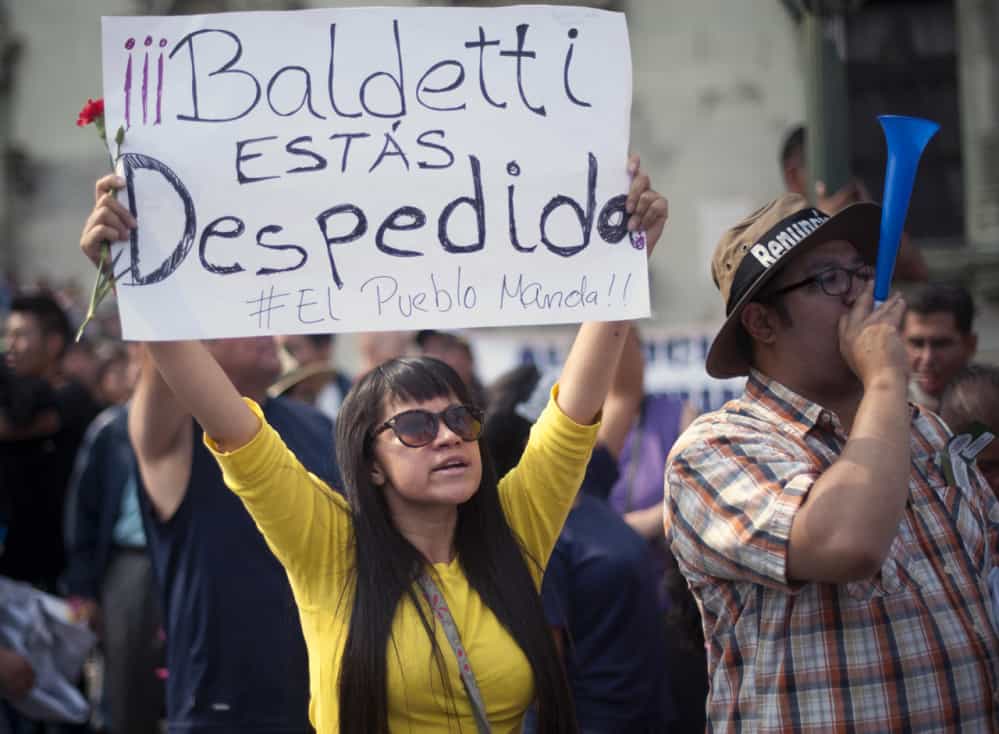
x=92 y=111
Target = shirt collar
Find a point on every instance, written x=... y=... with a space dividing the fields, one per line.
x=786 y=405
x=789 y=407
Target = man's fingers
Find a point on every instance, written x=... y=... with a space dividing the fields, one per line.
x=894 y=309
x=887 y=306
x=865 y=301
x=898 y=311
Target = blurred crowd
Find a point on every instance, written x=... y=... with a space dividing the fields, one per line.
x=76 y=523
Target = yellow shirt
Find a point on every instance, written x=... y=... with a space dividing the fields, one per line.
x=308 y=527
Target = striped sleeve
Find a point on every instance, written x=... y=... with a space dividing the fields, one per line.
x=731 y=503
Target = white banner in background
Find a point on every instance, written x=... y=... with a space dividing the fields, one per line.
x=674 y=360
x=369 y=169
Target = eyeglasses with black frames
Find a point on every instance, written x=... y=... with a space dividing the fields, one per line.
x=834 y=281
x=417 y=428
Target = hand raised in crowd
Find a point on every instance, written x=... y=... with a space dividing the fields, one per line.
x=870 y=339
x=17 y=677
x=110 y=220
x=648 y=209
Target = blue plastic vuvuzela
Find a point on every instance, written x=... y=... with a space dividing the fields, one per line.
x=906 y=138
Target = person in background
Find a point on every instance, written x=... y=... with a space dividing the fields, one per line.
x=235 y=652
x=43 y=415
x=109 y=575
x=842 y=574
x=637 y=495
x=117 y=372
x=970 y=405
x=939 y=340
x=909 y=264
x=42 y=420
x=376 y=347
x=312 y=377
x=599 y=587
x=81 y=364
x=455 y=351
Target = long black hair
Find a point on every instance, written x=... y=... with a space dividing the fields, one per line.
x=387 y=565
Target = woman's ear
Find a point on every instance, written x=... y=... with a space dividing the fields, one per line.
x=378 y=477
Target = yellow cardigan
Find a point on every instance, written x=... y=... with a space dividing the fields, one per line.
x=308 y=527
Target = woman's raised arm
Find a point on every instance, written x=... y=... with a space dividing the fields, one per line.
x=198 y=383
x=590 y=367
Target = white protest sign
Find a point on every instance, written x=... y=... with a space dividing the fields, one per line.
x=369 y=169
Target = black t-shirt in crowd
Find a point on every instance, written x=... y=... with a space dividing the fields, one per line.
x=599 y=588
x=34 y=474
x=236 y=657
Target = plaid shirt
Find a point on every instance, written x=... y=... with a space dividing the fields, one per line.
x=911 y=649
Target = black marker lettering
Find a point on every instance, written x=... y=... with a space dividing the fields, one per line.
x=306 y=100
x=434 y=146
x=585 y=218
x=478 y=206
x=397 y=81
x=225 y=69
x=459 y=78
x=396 y=149
x=360 y=227
x=403 y=219
x=214 y=230
x=520 y=54
x=131 y=163
x=612 y=224
x=276 y=229
x=332 y=74
x=565 y=73
x=294 y=148
x=513 y=168
x=349 y=138
x=240 y=157
x=481 y=45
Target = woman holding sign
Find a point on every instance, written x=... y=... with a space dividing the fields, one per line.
x=418 y=593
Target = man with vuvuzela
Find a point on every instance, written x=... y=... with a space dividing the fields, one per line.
x=839 y=565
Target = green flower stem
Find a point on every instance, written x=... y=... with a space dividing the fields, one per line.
x=102 y=285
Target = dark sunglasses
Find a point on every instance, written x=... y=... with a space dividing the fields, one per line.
x=418 y=427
